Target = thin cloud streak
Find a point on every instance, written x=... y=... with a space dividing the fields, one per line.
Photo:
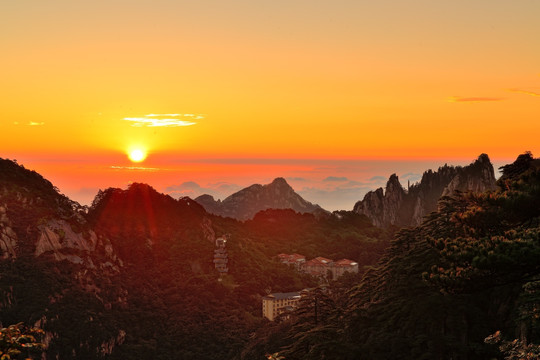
x=473 y=99
x=140 y=122
x=196 y=116
x=160 y=115
x=137 y=168
x=526 y=92
x=31 y=123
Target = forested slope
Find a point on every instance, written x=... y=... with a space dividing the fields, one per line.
x=469 y=271
x=132 y=276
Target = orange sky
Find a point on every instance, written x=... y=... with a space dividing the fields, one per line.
x=416 y=82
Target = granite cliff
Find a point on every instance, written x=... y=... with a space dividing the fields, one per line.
x=53 y=262
x=407 y=207
x=36 y=220
x=244 y=204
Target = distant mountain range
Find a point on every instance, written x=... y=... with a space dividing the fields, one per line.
x=407 y=207
x=132 y=275
x=133 y=272
x=393 y=206
x=244 y=204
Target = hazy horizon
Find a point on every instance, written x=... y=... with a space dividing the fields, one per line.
x=227 y=94
x=332 y=184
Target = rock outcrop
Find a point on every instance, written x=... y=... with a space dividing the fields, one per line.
x=52 y=259
x=8 y=237
x=244 y=204
x=36 y=220
x=400 y=207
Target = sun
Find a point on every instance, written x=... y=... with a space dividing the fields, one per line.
x=137 y=155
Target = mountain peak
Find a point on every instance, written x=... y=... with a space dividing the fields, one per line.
x=279 y=181
x=140 y=201
x=204 y=197
x=244 y=204
x=483 y=158
x=405 y=208
x=519 y=166
x=393 y=181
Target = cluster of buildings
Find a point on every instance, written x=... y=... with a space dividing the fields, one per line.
x=277 y=304
x=320 y=266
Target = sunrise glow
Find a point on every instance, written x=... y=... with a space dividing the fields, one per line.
x=243 y=94
x=203 y=179
x=137 y=155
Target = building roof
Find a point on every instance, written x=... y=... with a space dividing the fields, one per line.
x=297 y=257
x=291 y=258
x=282 y=296
x=345 y=262
x=319 y=261
x=323 y=260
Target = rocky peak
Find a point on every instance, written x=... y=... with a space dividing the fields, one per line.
x=393 y=186
x=484 y=159
x=36 y=220
x=372 y=204
x=393 y=197
x=408 y=208
x=522 y=164
x=205 y=197
x=477 y=177
x=209 y=203
x=244 y=204
x=515 y=174
x=280 y=182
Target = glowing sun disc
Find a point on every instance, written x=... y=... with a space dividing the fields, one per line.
x=137 y=155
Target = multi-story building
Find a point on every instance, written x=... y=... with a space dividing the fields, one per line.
x=342 y=266
x=323 y=267
x=296 y=260
x=279 y=303
x=318 y=266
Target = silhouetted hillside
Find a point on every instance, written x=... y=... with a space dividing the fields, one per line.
x=408 y=207
x=465 y=284
x=244 y=204
x=143 y=223
x=56 y=272
x=133 y=276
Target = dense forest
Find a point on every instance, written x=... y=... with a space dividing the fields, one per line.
x=463 y=285
x=132 y=276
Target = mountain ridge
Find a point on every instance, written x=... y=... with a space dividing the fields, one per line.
x=244 y=204
x=396 y=206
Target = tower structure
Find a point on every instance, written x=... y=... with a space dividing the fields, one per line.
x=221 y=258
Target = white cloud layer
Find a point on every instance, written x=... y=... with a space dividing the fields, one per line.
x=164 y=120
